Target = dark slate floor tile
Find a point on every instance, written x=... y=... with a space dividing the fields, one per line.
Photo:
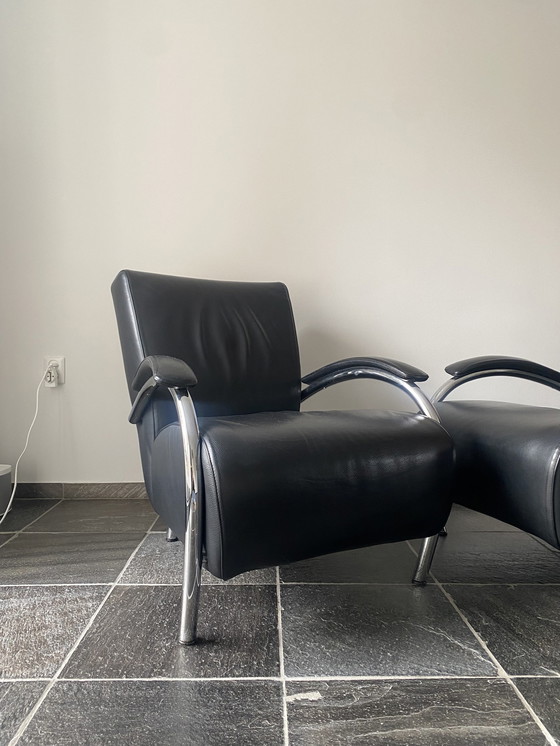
x=444 y=712
x=5 y=537
x=105 y=713
x=161 y=561
x=16 y=701
x=65 y=558
x=494 y=557
x=520 y=624
x=544 y=697
x=40 y=624
x=160 y=525
x=386 y=563
x=24 y=511
x=360 y=630
x=464 y=519
x=98 y=516
x=135 y=635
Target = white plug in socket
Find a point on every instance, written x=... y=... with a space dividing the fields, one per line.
x=54 y=377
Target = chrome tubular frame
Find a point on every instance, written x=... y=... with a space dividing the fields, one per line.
x=454 y=383
x=193 y=516
x=410 y=388
x=429 y=544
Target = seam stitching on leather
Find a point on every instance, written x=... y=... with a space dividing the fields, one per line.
x=294 y=341
x=218 y=504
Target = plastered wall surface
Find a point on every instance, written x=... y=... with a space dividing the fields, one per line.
x=395 y=162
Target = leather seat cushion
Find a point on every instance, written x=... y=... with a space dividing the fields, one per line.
x=284 y=486
x=507 y=462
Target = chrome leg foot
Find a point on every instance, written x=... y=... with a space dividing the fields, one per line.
x=443 y=531
x=425 y=560
x=170 y=535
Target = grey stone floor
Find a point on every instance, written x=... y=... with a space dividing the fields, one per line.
x=336 y=650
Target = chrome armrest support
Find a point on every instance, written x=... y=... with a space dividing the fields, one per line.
x=408 y=386
x=164 y=372
x=477 y=368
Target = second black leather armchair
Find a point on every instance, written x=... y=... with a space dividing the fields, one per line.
x=508 y=455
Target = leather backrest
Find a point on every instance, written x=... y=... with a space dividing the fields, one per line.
x=238 y=337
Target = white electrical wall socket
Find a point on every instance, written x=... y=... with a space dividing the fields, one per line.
x=55 y=378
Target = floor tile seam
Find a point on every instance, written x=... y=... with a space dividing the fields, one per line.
x=86 y=533
x=31 y=714
x=52 y=585
x=501 y=670
x=10 y=537
x=24 y=680
x=203 y=584
x=27 y=720
x=550 y=739
x=78 y=679
x=281 y=660
x=288 y=679
x=21 y=530
x=397 y=677
x=334 y=582
x=504 y=585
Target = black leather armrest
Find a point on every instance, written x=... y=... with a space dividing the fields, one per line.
x=165 y=370
x=154 y=372
x=488 y=362
x=394 y=367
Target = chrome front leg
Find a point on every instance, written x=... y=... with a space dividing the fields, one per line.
x=425 y=560
x=193 y=517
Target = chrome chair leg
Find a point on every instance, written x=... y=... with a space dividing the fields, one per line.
x=170 y=536
x=425 y=560
x=191 y=575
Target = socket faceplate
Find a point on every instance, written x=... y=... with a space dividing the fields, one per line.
x=61 y=370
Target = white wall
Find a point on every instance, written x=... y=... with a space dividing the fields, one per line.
x=396 y=162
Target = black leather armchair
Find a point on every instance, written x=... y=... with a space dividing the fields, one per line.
x=508 y=454
x=233 y=466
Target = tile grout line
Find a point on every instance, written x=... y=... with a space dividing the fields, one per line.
x=21 y=530
x=506 y=676
x=502 y=673
x=501 y=670
x=270 y=584
x=380 y=677
x=26 y=722
x=281 y=657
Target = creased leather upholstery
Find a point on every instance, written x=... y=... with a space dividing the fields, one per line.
x=284 y=486
x=237 y=337
x=507 y=462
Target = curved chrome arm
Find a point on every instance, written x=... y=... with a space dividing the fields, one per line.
x=454 y=383
x=409 y=387
x=193 y=507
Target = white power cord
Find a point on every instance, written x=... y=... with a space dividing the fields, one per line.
x=50 y=367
